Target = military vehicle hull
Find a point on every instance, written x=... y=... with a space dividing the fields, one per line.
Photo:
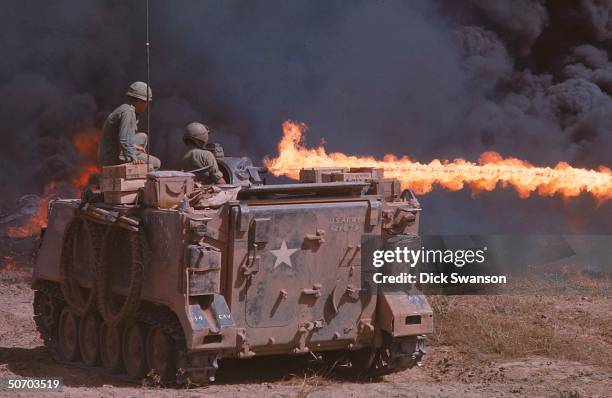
x=275 y=271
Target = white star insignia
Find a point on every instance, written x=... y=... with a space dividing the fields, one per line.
x=283 y=255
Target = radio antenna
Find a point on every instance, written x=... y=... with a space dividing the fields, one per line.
x=148 y=47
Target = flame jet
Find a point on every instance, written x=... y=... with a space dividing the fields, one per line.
x=491 y=170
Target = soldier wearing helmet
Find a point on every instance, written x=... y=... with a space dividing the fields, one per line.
x=197 y=157
x=119 y=142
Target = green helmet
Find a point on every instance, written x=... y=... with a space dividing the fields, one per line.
x=139 y=90
x=197 y=134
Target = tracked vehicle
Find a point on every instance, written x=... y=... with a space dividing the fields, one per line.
x=182 y=275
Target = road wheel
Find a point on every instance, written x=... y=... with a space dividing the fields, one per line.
x=89 y=339
x=134 y=351
x=69 y=335
x=161 y=355
x=110 y=348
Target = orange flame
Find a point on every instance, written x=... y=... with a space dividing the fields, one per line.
x=87 y=144
x=492 y=169
x=81 y=181
x=36 y=221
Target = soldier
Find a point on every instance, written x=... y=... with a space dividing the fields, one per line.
x=119 y=142
x=196 y=138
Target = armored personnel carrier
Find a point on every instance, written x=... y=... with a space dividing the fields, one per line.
x=165 y=277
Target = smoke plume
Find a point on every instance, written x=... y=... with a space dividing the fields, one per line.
x=530 y=79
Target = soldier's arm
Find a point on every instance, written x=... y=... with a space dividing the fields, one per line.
x=126 y=135
x=214 y=172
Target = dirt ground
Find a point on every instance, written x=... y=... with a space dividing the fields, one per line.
x=509 y=353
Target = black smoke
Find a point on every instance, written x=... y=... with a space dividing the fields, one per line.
x=430 y=79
